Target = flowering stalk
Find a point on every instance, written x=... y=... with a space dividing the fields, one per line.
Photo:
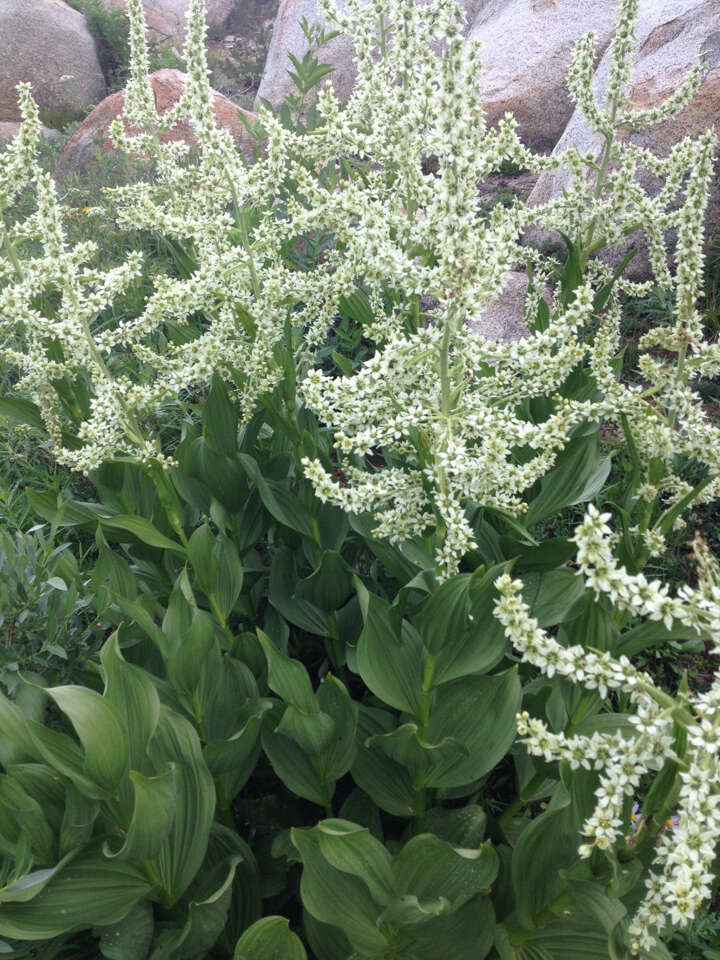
x=681 y=875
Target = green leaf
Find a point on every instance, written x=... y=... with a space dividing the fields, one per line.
x=101 y=732
x=423 y=760
x=182 y=851
x=334 y=700
x=217 y=567
x=481 y=643
x=596 y=626
x=139 y=617
x=579 y=474
x=151 y=819
x=486 y=733
x=554 y=596
x=283 y=585
x=66 y=513
x=221 y=476
x=390 y=665
x=353 y=849
x=465 y=934
x=61 y=752
x=546 y=846
x=652 y=633
x=572 y=272
x=337 y=898
x=329 y=585
x=445 y=614
x=130 y=938
x=89 y=890
x=298 y=770
x=40 y=782
x=187 y=662
x=429 y=867
x=140 y=529
x=27 y=816
x=18 y=740
x=79 y=816
x=462 y=827
x=383 y=779
x=280 y=503
x=17 y=411
x=399 y=565
x=206 y=916
x=310 y=731
x=326 y=941
x=269 y=939
x=28 y=886
x=288 y=678
x=232 y=761
x=220 y=420
x=229 y=577
x=576 y=936
x=133 y=695
x=111 y=575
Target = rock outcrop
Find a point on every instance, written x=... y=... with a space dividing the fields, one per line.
x=47 y=43
x=166 y=18
x=504 y=318
x=9 y=129
x=168 y=86
x=288 y=37
x=672 y=36
x=527 y=46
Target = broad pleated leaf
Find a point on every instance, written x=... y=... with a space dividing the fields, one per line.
x=130 y=938
x=101 y=732
x=269 y=939
x=88 y=891
x=151 y=819
x=175 y=741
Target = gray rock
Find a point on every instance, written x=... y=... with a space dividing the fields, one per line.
x=504 y=318
x=672 y=35
x=287 y=37
x=166 y=18
x=48 y=43
x=9 y=129
x=527 y=46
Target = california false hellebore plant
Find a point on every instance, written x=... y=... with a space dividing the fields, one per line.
x=441 y=433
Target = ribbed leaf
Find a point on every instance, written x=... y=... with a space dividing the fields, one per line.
x=353 y=849
x=288 y=678
x=101 y=733
x=269 y=939
x=390 y=664
x=152 y=817
x=175 y=741
x=134 y=697
x=478 y=712
x=141 y=529
x=337 y=898
x=88 y=891
x=130 y=938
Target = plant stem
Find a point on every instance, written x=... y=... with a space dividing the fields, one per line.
x=423 y=717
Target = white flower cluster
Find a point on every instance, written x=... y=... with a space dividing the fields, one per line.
x=447 y=415
x=681 y=875
x=438 y=406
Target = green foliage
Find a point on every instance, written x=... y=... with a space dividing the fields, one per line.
x=109 y=27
